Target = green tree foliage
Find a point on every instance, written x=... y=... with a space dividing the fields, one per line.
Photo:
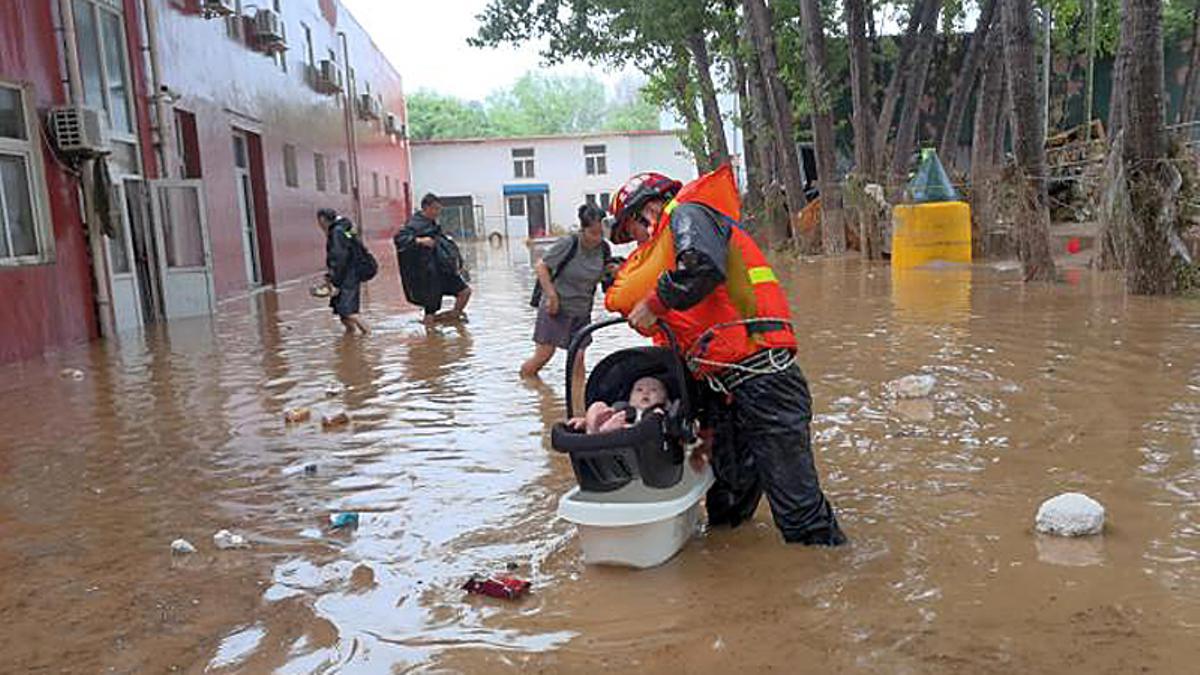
x=536 y=104
x=434 y=115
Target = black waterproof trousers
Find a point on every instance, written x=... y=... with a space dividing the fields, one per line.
x=762 y=443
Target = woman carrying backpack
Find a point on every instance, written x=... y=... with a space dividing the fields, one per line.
x=567 y=276
x=348 y=264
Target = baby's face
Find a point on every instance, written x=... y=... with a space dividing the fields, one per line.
x=648 y=392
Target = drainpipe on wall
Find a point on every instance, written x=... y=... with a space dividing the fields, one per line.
x=351 y=137
x=160 y=130
x=101 y=275
x=408 y=199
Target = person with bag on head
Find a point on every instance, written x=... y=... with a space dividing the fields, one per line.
x=348 y=264
x=698 y=272
x=431 y=266
x=567 y=276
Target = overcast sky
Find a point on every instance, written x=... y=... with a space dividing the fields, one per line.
x=426 y=41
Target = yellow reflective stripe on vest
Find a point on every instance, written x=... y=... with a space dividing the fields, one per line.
x=762 y=275
x=670 y=207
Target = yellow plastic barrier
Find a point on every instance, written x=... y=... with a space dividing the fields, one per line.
x=935 y=231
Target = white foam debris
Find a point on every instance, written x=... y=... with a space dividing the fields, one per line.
x=1071 y=514
x=913 y=386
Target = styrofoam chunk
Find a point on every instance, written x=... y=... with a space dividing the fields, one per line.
x=1070 y=514
x=182 y=547
x=227 y=540
x=913 y=386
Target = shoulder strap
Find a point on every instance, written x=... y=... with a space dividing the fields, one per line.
x=567 y=258
x=608 y=256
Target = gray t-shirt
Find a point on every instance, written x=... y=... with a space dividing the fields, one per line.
x=576 y=284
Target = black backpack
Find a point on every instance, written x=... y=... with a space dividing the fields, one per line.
x=365 y=265
x=535 y=299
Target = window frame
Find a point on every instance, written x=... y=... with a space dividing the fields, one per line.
x=97 y=7
x=319 y=167
x=30 y=151
x=595 y=162
x=343 y=177
x=291 y=171
x=524 y=164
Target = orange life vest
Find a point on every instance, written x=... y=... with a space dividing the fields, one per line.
x=745 y=314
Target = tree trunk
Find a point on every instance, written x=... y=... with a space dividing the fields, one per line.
x=891 y=95
x=1047 y=63
x=1089 y=90
x=774 y=206
x=714 y=126
x=861 y=85
x=1153 y=182
x=988 y=105
x=914 y=90
x=1004 y=123
x=833 y=232
x=861 y=80
x=685 y=103
x=780 y=101
x=1116 y=106
x=1187 y=107
x=965 y=83
x=1033 y=227
x=750 y=141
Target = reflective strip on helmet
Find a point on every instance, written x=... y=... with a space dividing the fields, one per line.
x=762 y=275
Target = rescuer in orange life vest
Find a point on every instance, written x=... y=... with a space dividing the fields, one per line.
x=702 y=275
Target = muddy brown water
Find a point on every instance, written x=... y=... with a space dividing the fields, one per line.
x=180 y=433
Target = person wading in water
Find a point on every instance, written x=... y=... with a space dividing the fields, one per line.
x=699 y=273
x=431 y=265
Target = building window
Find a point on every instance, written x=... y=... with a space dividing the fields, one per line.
x=387 y=184
x=100 y=34
x=187 y=144
x=595 y=160
x=309 y=55
x=522 y=162
x=343 y=182
x=234 y=23
x=375 y=182
x=319 y=171
x=280 y=55
x=602 y=199
x=516 y=207
x=290 y=175
x=24 y=228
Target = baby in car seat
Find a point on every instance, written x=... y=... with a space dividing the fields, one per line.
x=648 y=393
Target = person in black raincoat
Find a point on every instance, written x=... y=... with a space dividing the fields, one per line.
x=340 y=270
x=431 y=265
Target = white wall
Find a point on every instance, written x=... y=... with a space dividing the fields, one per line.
x=482 y=168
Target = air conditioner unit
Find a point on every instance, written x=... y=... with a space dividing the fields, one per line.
x=368 y=107
x=329 y=77
x=268 y=29
x=214 y=8
x=78 y=130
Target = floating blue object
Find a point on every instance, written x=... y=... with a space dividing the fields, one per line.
x=343 y=520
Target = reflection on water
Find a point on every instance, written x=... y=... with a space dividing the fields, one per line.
x=180 y=433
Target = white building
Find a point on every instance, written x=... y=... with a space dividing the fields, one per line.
x=521 y=187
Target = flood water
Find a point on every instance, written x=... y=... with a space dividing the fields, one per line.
x=180 y=433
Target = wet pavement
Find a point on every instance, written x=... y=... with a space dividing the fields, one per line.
x=180 y=433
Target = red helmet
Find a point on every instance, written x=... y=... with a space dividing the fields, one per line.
x=634 y=194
